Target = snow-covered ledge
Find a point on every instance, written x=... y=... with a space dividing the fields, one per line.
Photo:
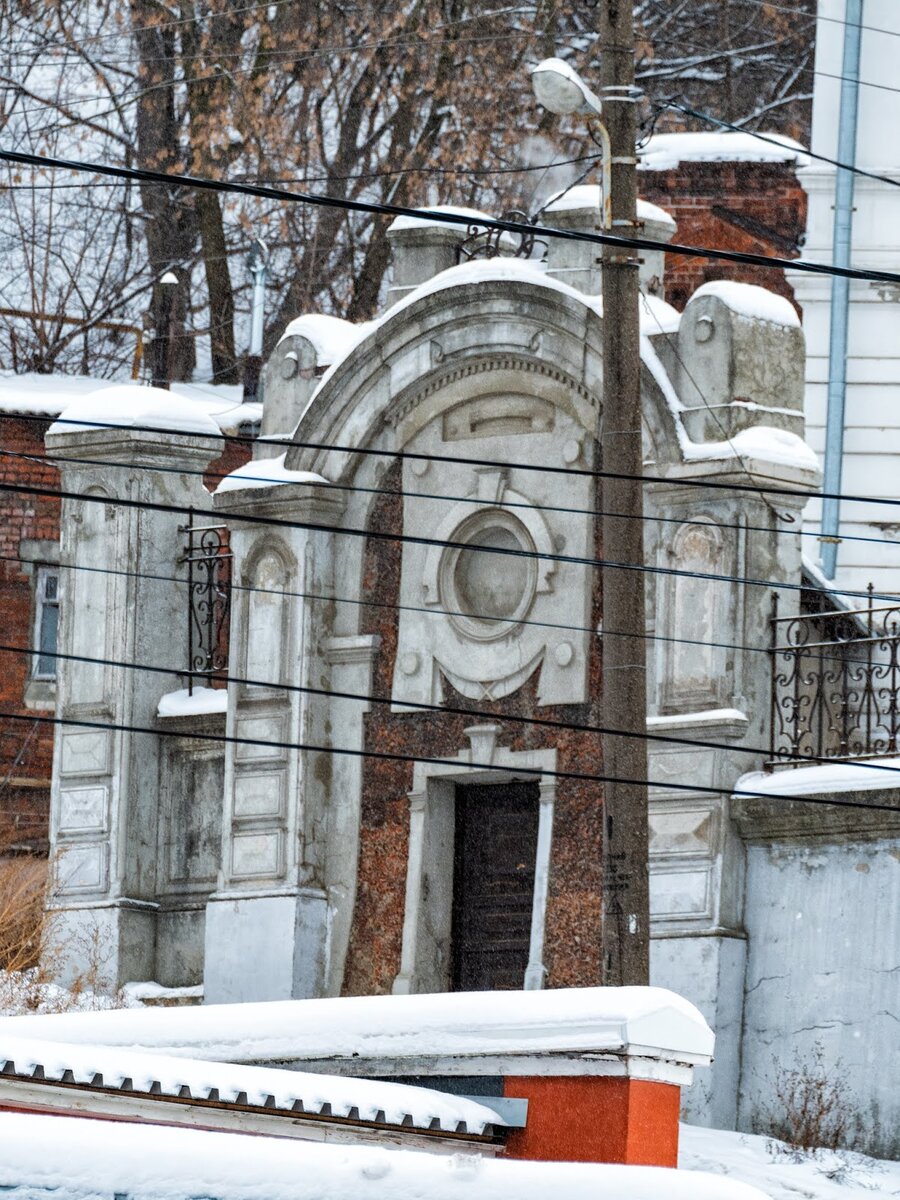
x=601 y=1068
x=575 y=1029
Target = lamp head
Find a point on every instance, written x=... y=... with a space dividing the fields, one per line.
x=561 y=90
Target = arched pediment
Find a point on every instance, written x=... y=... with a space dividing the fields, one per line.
x=462 y=346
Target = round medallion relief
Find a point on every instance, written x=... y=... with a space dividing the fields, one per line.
x=485 y=594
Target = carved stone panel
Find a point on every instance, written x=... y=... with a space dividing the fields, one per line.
x=257 y=855
x=692 y=615
x=82 y=810
x=81 y=868
x=85 y=753
x=501 y=592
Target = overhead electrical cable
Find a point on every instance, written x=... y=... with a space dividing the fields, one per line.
x=454 y=710
x=420 y=540
x=773 y=141
x=436 y=612
x=782 y=530
x=804 y=494
x=431 y=216
x=396 y=756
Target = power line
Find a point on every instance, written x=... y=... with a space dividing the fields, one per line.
x=383 y=755
x=804 y=494
x=770 y=262
x=762 y=137
x=420 y=540
x=438 y=613
x=454 y=710
x=450 y=498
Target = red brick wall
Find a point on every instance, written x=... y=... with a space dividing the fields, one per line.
x=758 y=208
x=26 y=749
x=573 y=917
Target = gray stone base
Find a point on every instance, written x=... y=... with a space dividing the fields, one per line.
x=265 y=947
x=102 y=946
x=179 y=946
x=708 y=970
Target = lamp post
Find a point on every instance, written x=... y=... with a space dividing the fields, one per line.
x=257 y=265
x=625 y=899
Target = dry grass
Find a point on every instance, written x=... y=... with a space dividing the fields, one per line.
x=30 y=955
x=23 y=881
x=811 y=1108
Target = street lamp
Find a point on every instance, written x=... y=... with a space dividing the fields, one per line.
x=561 y=90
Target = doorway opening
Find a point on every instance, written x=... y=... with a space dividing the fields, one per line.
x=495 y=844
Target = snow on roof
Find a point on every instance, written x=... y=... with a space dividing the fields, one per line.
x=750 y=300
x=72 y=1158
x=49 y=395
x=762 y=442
x=265 y=472
x=422 y=222
x=461 y=1024
x=667 y=150
x=258 y=1087
x=655 y=312
x=129 y=405
x=332 y=337
x=182 y=703
x=587 y=195
x=829 y=777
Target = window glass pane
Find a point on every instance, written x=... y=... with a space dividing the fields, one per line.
x=47 y=624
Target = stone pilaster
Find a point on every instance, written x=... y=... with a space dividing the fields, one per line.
x=267 y=922
x=120 y=600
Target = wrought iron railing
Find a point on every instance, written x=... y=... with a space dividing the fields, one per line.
x=835 y=684
x=208 y=559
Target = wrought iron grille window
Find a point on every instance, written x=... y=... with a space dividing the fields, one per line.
x=208 y=559
x=835 y=683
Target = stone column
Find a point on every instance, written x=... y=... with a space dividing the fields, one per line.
x=119 y=600
x=536 y=972
x=267 y=923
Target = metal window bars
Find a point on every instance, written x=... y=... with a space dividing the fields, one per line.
x=835 y=677
x=208 y=559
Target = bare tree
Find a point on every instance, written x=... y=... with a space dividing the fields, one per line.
x=420 y=102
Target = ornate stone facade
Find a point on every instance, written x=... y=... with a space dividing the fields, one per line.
x=381 y=667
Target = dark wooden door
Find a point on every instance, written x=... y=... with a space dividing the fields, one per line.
x=493 y=884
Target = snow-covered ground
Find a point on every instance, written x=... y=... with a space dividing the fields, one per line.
x=785 y=1174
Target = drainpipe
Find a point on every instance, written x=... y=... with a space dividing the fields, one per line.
x=840 y=288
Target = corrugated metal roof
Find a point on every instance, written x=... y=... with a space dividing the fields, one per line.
x=266 y=1089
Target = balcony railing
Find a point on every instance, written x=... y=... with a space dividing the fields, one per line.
x=208 y=560
x=835 y=682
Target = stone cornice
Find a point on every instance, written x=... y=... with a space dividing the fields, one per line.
x=768 y=818
x=315 y=502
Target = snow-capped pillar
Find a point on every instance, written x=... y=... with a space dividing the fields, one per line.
x=120 y=603
x=740 y=358
x=267 y=923
x=578 y=263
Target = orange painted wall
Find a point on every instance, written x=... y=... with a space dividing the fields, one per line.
x=577 y=1118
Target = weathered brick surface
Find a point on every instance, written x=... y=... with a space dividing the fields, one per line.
x=26 y=748
x=573 y=917
x=757 y=208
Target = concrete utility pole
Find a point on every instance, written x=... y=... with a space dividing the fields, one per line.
x=626 y=932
